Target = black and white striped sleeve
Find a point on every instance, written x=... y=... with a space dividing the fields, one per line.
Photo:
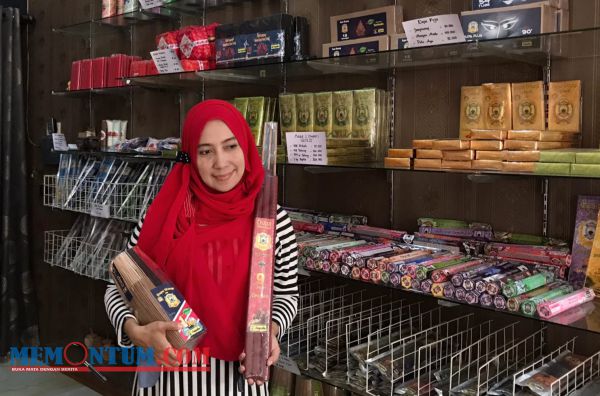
x=285 y=282
x=116 y=308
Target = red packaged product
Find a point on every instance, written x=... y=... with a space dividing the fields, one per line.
x=194 y=65
x=194 y=44
x=138 y=68
x=85 y=78
x=211 y=31
x=99 y=72
x=530 y=253
x=168 y=40
x=75 y=74
x=151 y=69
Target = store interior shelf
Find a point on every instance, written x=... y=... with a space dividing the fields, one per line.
x=117 y=91
x=167 y=156
x=584 y=317
x=535 y=50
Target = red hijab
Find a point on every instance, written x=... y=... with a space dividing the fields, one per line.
x=202 y=238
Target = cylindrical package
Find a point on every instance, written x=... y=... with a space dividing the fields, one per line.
x=442 y=275
x=514 y=303
x=406 y=281
x=472 y=297
x=437 y=289
x=426 y=285
x=460 y=294
x=309 y=227
x=514 y=288
x=522 y=156
x=458 y=155
x=487 y=145
x=486 y=300
x=495 y=287
x=424 y=271
x=449 y=290
x=500 y=302
x=529 y=306
x=556 y=306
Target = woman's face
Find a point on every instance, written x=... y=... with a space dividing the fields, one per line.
x=220 y=159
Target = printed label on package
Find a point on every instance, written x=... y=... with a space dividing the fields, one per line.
x=352 y=49
x=502 y=24
x=306 y=148
x=361 y=27
x=166 y=61
x=151 y=3
x=99 y=210
x=435 y=30
x=261 y=276
x=270 y=44
x=178 y=310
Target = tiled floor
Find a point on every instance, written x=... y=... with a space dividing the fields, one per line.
x=39 y=384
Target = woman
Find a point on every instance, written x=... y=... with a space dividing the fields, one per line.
x=199 y=230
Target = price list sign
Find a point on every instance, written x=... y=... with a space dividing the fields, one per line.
x=435 y=30
x=166 y=61
x=308 y=148
x=146 y=4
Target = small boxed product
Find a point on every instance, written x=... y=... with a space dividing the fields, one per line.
x=497 y=107
x=451 y=144
x=465 y=165
x=427 y=163
x=554 y=145
x=423 y=144
x=342 y=114
x=566 y=156
x=564 y=106
x=486 y=4
x=553 y=136
x=255 y=115
x=99 y=72
x=364 y=112
x=490 y=155
x=529 y=135
x=585 y=227
x=550 y=168
x=587 y=157
x=242 y=105
x=193 y=42
x=516 y=21
x=528 y=106
x=486 y=134
x=522 y=156
x=403 y=163
x=85 y=76
x=521 y=145
x=368 y=45
x=487 y=145
x=427 y=153
x=323 y=112
x=471 y=109
x=380 y=21
x=398 y=41
x=305 y=107
x=458 y=155
x=75 y=75
x=486 y=165
x=588 y=170
x=518 y=166
x=430 y=154
x=401 y=153
x=287 y=113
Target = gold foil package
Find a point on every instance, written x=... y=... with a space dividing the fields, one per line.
x=426 y=144
x=458 y=155
x=427 y=163
x=486 y=134
x=463 y=165
x=364 y=112
x=429 y=154
x=403 y=163
x=471 y=109
x=522 y=156
x=564 y=106
x=528 y=105
x=451 y=144
x=487 y=145
x=490 y=155
x=342 y=102
x=518 y=166
x=486 y=165
x=400 y=153
x=305 y=108
x=323 y=112
x=255 y=117
x=497 y=106
x=287 y=113
x=242 y=105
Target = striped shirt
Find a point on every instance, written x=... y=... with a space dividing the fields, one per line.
x=223 y=377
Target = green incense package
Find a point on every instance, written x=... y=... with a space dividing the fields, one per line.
x=323 y=112
x=255 y=117
x=567 y=156
x=287 y=114
x=342 y=102
x=588 y=170
x=529 y=307
x=587 y=157
x=365 y=110
x=242 y=105
x=550 y=168
x=305 y=106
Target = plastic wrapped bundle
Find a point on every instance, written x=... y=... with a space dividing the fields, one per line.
x=551 y=308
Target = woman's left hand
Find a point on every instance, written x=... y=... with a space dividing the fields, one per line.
x=273 y=356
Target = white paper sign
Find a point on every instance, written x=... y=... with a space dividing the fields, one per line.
x=288 y=364
x=59 y=142
x=99 y=210
x=434 y=30
x=166 y=61
x=151 y=3
x=72 y=146
x=309 y=148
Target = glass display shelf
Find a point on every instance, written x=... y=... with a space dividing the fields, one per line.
x=584 y=317
x=115 y=91
x=159 y=156
x=536 y=50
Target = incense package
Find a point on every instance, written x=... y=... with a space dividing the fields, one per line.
x=342 y=102
x=451 y=144
x=497 y=106
x=401 y=153
x=471 y=109
x=255 y=117
x=367 y=23
x=403 y=163
x=429 y=154
x=528 y=105
x=305 y=112
x=152 y=297
x=323 y=112
x=490 y=155
x=287 y=114
x=426 y=144
x=487 y=145
x=486 y=165
x=458 y=155
x=486 y=134
x=551 y=308
x=583 y=237
x=564 y=106
x=550 y=168
x=518 y=166
x=427 y=163
x=593 y=269
x=364 y=110
x=522 y=156
x=446 y=164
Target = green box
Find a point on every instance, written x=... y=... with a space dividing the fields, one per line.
x=587 y=170
x=588 y=157
x=563 y=156
x=549 y=168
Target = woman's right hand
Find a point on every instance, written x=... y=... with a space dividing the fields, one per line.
x=154 y=335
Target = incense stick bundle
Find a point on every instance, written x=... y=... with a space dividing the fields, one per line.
x=153 y=297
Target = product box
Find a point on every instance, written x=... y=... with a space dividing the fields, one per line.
x=497 y=107
x=342 y=102
x=465 y=165
x=255 y=115
x=583 y=237
x=451 y=144
x=486 y=134
x=552 y=136
x=323 y=112
x=529 y=135
x=401 y=153
x=427 y=163
x=403 y=163
x=458 y=155
x=471 y=109
x=550 y=168
x=564 y=106
x=486 y=165
x=99 y=72
x=242 y=105
x=554 y=145
x=423 y=144
x=528 y=106
x=429 y=154
x=85 y=77
x=522 y=156
x=487 y=145
x=75 y=75
x=490 y=155
x=521 y=145
x=518 y=166
x=587 y=170
x=566 y=156
x=398 y=41
x=305 y=106
x=364 y=113
x=380 y=21
x=287 y=113
x=587 y=157
x=368 y=45
x=486 y=4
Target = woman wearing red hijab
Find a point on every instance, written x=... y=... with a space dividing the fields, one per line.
x=199 y=231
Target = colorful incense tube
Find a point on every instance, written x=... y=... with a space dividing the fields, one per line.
x=529 y=306
x=426 y=286
x=442 y=275
x=472 y=297
x=449 y=291
x=376 y=276
x=460 y=294
x=395 y=279
x=385 y=277
x=398 y=266
x=494 y=286
x=500 y=302
x=411 y=269
x=387 y=258
x=406 y=281
x=416 y=285
x=514 y=303
x=459 y=278
x=551 y=308
x=335 y=268
x=345 y=270
x=437 y=289
x=377 y=232
x=308 y=227
x=512 y=289
x=423 y=271
x=355 y=274
x=365 y=274
x=486 y=300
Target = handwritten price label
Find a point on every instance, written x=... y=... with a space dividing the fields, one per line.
x=309 y=148
x=166 y=61
x=99 y=210
x=151 y=3
x=436 y=30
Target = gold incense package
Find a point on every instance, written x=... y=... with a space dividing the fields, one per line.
x=287 y=114
x=486 y=134
x=255 y=117
x=401 y=153
x=521 y=145
x=464 y=165
x=364 y=110
x=518 y=166
x=451 y=144
x=471 y=109
x=420 y=163
x=342 y=114
x=497 y=106
x=564 y=106
x=458 y=155
x=429 y=154
x=522 y=156
x=305 y=107
x=528 y=105
x=490 y=155
x=242 y=105
x=403 y=163
x=487 y=145
x=486 y=165
x=426 y=144
x=323 y=112
x=531 y=135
